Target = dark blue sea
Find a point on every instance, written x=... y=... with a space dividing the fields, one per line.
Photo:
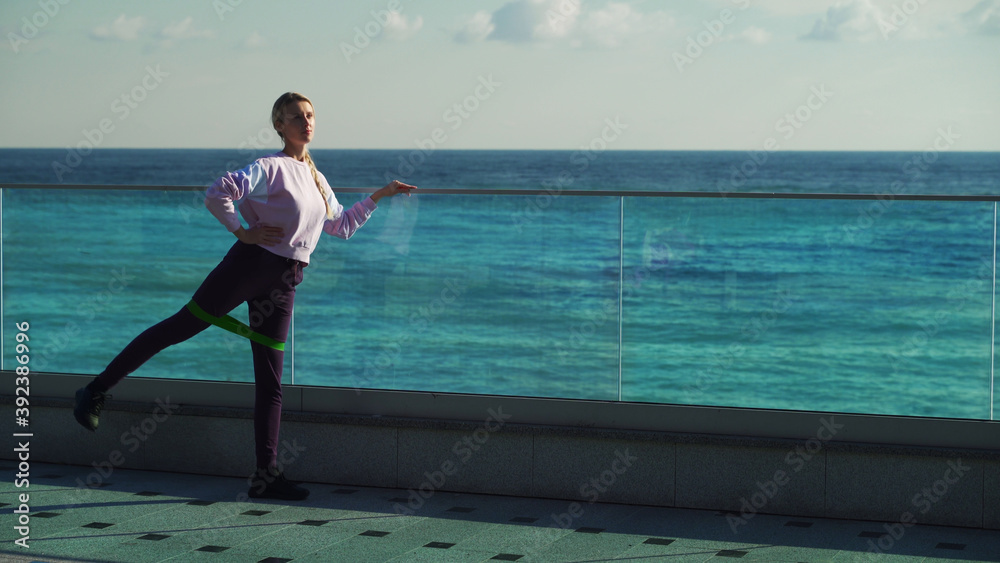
x=875 y=306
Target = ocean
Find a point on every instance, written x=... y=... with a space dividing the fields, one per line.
x=880 y=306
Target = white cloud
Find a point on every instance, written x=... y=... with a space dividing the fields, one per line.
x=477 y=28
x=254 y=40
x=848 y=20
x=611 y=26
x=862 y=20
x=399 y=27
x=184 y=29
x=181 y=31
x=559 y=20
x=548 y=21
x=122 y=29
x=752 y=34
x=983 y=18
x=776 y=7
x=534 y=20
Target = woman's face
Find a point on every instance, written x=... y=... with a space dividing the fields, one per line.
x=298 y=124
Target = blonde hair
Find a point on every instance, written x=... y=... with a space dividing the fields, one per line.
x=278 y=114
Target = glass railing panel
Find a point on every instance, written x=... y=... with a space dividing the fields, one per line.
x=827 y=305
x=91 y=269
x=994 y=366
x=508 y=295
x=845 y=306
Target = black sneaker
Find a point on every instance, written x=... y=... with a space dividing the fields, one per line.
x=88 y=407
x=271 y=483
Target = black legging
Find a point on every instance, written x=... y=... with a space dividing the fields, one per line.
x=267 y=283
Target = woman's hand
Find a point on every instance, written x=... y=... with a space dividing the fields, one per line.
x=261 y=234
x=391 y=189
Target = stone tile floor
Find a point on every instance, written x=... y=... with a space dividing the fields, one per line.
x=140 y=516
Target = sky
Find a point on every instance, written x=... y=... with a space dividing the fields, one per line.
x=505 y=74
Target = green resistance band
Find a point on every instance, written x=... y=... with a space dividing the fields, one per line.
x=234 y=326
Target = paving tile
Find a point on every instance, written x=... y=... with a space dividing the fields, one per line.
x=782 y=553
x=363 y=500
x=507 y=557
x=68 y=548
x=514 y=538
x=582 y=546
x=364 y=548
x=431 y=555
x=713 y=547
x=177 y=517
x=114 y=512
x=63 y=524
x=674 y=552
x=831 y=535
x=134 y=549
x=106 y=524
x=427 y=530
x=852 y=556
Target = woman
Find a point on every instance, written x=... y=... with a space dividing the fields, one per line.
x=287 y=204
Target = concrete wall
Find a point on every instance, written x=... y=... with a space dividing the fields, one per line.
x=741 y=475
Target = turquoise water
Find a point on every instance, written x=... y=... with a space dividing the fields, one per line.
x=843 y=306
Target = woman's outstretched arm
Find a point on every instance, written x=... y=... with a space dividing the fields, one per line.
x=347 y=221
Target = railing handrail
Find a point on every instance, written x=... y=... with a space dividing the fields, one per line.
x=552 y=192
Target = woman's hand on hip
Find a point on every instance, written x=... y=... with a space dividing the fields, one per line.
x=261 y=234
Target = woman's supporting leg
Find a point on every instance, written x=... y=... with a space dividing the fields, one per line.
x=271 y=314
